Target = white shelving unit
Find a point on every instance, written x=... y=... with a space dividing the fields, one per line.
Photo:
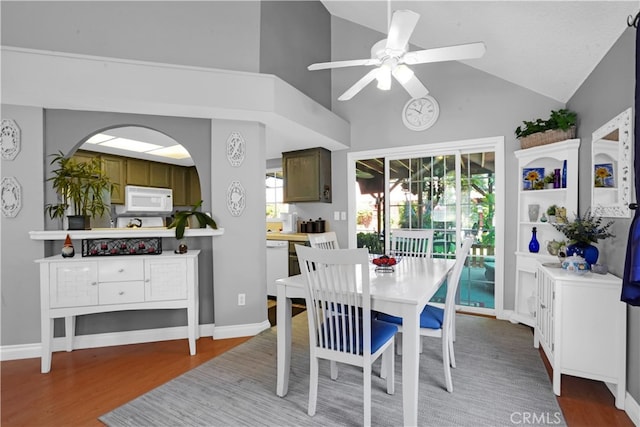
x=549 y=157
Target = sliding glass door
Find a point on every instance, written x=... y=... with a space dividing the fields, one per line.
x=452 y=193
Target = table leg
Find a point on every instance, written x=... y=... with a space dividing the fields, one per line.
x=69 y=331
x=192 y=323
x=283 y=327
x=46 y=324
x=410 y=367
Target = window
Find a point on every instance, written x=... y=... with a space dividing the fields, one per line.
x=274 y=184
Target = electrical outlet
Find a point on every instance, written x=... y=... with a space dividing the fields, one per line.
x=336 y=216
x=343 y=215
x=241 y=299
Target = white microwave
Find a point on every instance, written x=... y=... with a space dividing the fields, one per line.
x=147 y=199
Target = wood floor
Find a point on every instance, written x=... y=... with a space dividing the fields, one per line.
x=85 y=384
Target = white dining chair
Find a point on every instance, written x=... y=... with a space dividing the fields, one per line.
x=440 y=322
x=414 y=242
x=339 y=317
x=326 y=240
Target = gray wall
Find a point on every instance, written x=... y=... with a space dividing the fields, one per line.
x=199 y=33
x=608 y=91
x=20 y=304
x=292 y=36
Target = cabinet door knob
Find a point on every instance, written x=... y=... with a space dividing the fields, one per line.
x=121 y=293
x=94 y=283
x=121 y=270
x=543 y=306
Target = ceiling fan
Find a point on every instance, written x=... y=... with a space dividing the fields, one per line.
x=391 y=57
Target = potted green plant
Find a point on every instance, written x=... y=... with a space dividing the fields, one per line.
x=559 y=126
x=82 y=188
x=583 y=231
x=551 y=213
x=183 y=218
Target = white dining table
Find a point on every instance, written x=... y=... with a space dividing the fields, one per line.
x=403 y=293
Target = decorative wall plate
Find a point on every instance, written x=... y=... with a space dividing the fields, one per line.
x=235 y=198
x=11 y=196
x=10 y=134
x=235 y=149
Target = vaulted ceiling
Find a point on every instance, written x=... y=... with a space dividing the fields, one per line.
x=549 y=47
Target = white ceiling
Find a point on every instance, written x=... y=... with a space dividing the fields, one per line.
x=549 y=47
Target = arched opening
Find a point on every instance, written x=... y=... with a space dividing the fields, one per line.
x=145 y=157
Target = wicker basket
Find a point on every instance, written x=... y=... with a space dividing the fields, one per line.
x=547 y=137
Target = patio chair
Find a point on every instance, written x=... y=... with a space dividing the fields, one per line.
x=416 y=242
x=331 y=280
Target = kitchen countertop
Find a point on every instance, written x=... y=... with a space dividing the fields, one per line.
x=293 y=237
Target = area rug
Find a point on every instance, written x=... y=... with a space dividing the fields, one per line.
x=500 y=380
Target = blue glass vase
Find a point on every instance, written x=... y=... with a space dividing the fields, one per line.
x=587 y=251
x=534 y=245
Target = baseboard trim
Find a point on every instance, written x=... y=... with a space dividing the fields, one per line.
x=29 y=351
x=632 y=408
x=233 y=331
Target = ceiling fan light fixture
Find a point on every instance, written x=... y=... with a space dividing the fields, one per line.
x=384 y=77
x=402 y=73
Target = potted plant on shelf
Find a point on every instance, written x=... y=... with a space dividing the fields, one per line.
x=560 y=125
x=583 y=231
x=83 y=189
x=194 y=218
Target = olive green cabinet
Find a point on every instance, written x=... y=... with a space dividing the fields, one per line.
x=159 y=175
x=122 y=171
x=114 y=168
x=138 y=172
x=194 y=193
x=307 y=175
x=179 y=185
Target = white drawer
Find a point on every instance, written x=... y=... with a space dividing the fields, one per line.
x=118 y=270
x=120 y=292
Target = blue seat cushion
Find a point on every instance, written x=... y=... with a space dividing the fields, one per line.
x=431 y=317
x=381 y=332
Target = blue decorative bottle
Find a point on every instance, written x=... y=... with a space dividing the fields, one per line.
x=534 y=245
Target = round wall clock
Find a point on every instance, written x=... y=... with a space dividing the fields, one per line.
x=420 y=113
x=10 y=134
x=235 y=198
x=235 y=149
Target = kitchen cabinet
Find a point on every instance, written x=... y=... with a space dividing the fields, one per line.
x=582 y=327
x=137 y=172
x=179 y=185
x=70 y=287
x=194 y=192
x=114 y=168
x=159 y=175
x=544 y=159
x=307 y=175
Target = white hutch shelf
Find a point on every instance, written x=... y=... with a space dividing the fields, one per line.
x=549 y=157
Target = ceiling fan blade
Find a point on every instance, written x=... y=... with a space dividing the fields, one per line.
x=359 y=85
x=402 y=24
x=341 y=64
x=449 y=53
x=414 y=86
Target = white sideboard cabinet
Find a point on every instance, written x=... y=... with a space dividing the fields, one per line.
x=75 y=286
x=582 y=327
x=543 y=159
